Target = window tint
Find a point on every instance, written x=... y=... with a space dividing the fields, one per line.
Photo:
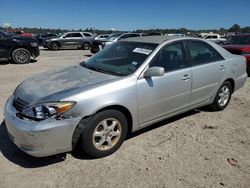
x=76 y=35
x=68 y=35
x=202 y=53
x=170 y=57
x=86 y=34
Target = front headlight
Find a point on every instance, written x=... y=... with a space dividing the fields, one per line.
x=46 y=110
x=34 y=44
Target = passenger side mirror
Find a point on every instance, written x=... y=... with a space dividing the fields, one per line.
x=154 y=71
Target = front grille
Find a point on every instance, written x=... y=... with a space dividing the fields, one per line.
x=19 y=104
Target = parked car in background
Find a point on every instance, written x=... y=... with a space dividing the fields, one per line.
x=175 y=34
x=102 y=37
x=79 y=40
x=215 y=38
x=98 y=45
x=127 y=86
x=22 y=33
x=239 y=44
x=17 y=48
x=41 y=37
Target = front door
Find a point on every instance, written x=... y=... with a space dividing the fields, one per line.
x=167 y=94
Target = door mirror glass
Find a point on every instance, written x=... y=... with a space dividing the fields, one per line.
x=154 y=71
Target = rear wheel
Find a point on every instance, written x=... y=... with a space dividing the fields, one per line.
x=222 y=97
x=85 y=46
x=21 y=56
x=54 y=46
x=104 y=133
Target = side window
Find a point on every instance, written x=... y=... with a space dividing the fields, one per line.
x=170 y=57
x=68 y=35
x=202 y=53
x=208 y=37
x=86 y=34
x=76 y=35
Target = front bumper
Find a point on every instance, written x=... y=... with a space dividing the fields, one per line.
x=39 y=138
x=35 y=52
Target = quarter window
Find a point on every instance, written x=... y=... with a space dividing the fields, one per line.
x=202 y=53
x=170 y=57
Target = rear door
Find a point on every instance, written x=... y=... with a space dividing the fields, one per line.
x=208 y=70
x=72 y=40
x=161 y=96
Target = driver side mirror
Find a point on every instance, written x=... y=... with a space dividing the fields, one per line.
x=154 y=71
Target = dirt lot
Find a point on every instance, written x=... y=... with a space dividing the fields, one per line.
x=191 y=150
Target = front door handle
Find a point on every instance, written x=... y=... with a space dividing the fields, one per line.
x=222 y=67
x=185 y=77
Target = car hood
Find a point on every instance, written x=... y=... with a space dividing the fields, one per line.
x=23 y=39
x=59 y=84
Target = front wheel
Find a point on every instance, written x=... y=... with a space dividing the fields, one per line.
x=21 y=56
x=54 y=46
x=222 y=97
x=104 y=133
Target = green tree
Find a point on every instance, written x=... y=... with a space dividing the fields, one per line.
x=235 y=28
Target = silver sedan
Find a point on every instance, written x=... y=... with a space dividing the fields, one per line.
x=129 y=85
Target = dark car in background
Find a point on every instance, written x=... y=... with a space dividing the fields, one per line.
x=98 y=45
x=240 y=45
x=41 y=37
x=17 y=48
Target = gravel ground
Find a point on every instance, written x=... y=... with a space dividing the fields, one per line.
x=196 y=149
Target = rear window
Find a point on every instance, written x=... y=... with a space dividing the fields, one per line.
x=202 y=53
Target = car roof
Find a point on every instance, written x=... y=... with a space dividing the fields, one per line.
x=154 y=39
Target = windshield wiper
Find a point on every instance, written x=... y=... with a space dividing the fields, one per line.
x=101 y=70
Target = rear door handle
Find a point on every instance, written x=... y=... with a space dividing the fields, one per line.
x=185 y=77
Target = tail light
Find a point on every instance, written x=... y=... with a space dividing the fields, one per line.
x=246 y=51
x=246 y=62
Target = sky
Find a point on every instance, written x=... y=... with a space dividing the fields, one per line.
x=125 y=14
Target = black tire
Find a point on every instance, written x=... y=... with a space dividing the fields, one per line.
x=90 y=142
x=86 y=46
x=217 y=105
x=21 y=56
x=54 y=46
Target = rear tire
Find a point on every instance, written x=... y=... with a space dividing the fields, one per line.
x=86 y=46
x=104 y=133
x=222 y=97
x=21 y=56
x=54 y=46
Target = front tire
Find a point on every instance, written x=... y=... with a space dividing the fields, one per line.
x=21 y=56
x=104 y=133
x=222 y=97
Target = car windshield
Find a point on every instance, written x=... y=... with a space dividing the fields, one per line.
x=114 y=36
x=121 y=58
x=241 y=40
